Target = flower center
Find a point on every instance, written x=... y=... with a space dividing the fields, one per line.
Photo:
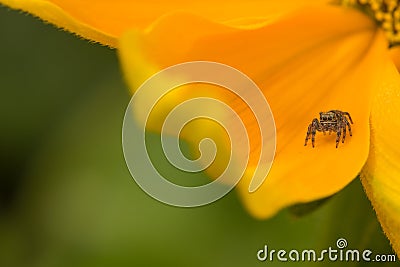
x=385 y=12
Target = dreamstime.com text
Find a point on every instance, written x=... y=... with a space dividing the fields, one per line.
x=338 y=253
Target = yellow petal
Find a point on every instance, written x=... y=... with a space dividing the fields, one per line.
x=103 y=21
x=381 y=175
x=395 y=55
x=316 y=59
x=55 y=14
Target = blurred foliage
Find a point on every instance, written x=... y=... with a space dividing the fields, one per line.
x=67 y=198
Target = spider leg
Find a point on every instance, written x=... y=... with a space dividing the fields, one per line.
x=313 y=137
x=314 y=126
x=320 y=127
x=308 y=133
x=348 y=125
x=348 y=115
x=339 y=132
x=343 y=126
x=310 y=129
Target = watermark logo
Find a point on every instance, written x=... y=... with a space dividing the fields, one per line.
x=341 y=243
x=338 y=253
x=169 y=80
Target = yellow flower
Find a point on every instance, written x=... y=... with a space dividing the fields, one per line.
x=304 y=59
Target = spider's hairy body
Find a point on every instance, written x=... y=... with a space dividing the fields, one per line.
x=331 y=121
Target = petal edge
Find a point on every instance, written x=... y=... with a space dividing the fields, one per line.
x=381 y=174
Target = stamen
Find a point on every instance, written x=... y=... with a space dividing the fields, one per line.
x=385 y=12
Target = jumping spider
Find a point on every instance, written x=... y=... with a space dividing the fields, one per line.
x=333 y=120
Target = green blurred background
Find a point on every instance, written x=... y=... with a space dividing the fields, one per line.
x=66 y=196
